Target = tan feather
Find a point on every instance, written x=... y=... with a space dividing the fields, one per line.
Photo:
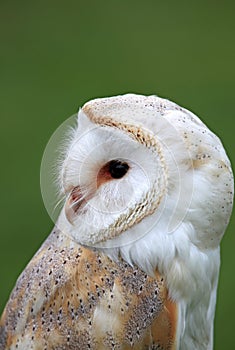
x=71 y=297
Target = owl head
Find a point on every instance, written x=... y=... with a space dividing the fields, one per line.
x=139 y=165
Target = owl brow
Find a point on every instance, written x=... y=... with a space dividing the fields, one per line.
x=141 y=135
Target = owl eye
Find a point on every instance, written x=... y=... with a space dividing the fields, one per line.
x=118 y=169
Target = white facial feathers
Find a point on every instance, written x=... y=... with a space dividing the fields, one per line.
x=109 y=203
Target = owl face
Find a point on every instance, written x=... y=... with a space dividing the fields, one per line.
x=110 y=179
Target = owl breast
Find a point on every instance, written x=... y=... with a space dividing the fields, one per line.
x=71 y=297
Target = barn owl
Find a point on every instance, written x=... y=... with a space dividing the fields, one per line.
x=133 y=260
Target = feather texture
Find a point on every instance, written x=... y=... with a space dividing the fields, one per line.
x=71 y=297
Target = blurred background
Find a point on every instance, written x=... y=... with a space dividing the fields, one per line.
x=55 y=55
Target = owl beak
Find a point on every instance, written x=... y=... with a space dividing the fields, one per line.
x=75 y=201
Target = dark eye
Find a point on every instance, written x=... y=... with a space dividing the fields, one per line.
x=118 y=169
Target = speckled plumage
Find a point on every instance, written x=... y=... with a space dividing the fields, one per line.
x=133 y=262
x=71 y=297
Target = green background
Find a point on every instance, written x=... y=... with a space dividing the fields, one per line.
x=55 y=55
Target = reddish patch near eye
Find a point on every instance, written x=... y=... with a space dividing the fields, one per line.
x=103 y=175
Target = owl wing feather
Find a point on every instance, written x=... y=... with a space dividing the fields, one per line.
x=72 y=297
